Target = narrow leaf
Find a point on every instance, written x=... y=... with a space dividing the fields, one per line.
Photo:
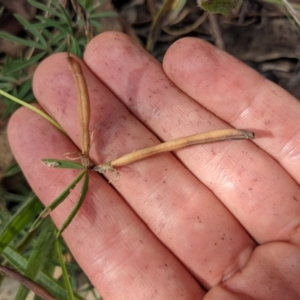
x=13 y=169
x=56 y=24
x=57 y=201
x=56 y=39
x=38 y=257
x=15 y=66
x=44 y=8
x=96 y=24
x=35 y=32
x=65 y=17
x=33 y=108
x=19 y=221
x=52 y=285
x=24 y=42
x=103 y=14
x=77 y=206
x=25 y=89
x=67 y=282
x=62 y=47
x=75 y=47
x=63 y=164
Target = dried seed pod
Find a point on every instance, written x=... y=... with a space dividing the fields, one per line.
x=83 y=109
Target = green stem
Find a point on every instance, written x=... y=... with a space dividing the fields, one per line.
x=33 y=108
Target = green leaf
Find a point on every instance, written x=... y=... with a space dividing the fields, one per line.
x=65 y=18
x=13 y=169
x=96 y=24
x=35 y=32
x=63 y=164
x=44 y=8
x=61 y=48
x=33 y=108
x=39 y=25
x=6 y=86
x=6 y=78
x=25 y=89
x=57 y=39
x=65 y=272
x=77 y=206
x=86 y=4
x=57 y=201
x=38 y=256
x=48 y=35
x=24 y=42
x=15 y=197
x=103 y=14
x=219 y=6
x=19 y=221
x=51 y=285
x=20 y=64
x=75 y=48
x=60 y=25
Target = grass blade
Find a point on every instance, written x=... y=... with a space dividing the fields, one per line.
x=13 y=169
x=63 y=164
x=103 y=14
x=33 y=108
x=37 y=259
x=75 y=47
x=57 y=201
x=57 y=39
x=19 y=221
x=25 y=89
x=17 y=65
x=27 y=43
x=56 y=24
x=35 y=32
x=67 y=282
x=44 y=8
x=77 y=206
x=52 y=285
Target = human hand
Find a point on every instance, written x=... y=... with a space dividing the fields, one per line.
x=215 y=221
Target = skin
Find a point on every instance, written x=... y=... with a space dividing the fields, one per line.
x=214 y=221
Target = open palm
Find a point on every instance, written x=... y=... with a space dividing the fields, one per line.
x=214 y=221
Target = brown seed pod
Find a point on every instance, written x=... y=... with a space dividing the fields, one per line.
x=83 y=108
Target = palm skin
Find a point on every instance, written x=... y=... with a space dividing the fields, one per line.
x=214 y=221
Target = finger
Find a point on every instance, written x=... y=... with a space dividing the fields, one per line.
x=254 y=187
x=243 y=97
x=182 y=213
x=117 y=251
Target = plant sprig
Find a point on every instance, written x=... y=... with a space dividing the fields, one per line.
x=129 y=158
